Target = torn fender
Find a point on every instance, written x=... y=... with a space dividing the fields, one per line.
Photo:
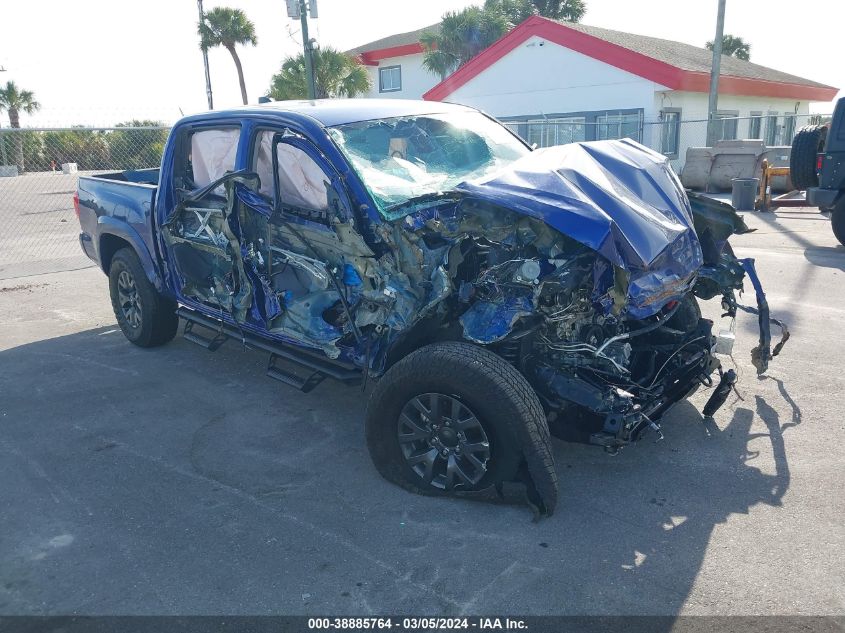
x=618 y=198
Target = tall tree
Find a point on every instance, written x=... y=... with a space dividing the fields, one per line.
x=517 y=11
x=335 y=75
x=14 y=101
x=733 y=46
x=227 y=27
x=569 y=10
x=463 y=34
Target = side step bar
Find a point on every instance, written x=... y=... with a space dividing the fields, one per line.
x=290 y=378
x=318 y=367
x=211 y=344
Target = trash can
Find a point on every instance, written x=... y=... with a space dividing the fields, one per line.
x=744 y=193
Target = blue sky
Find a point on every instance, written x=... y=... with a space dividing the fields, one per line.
x=100 y=62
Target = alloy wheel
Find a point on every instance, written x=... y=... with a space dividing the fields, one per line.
x=130 y=300
x=443 y=441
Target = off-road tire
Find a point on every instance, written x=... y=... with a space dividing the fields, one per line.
x=502 y=399
x=837 y=220
x=158 y=321
x=808 y=143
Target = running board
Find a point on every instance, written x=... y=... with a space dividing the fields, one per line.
x=211 y=344
x=290 y=378
x=316 y=365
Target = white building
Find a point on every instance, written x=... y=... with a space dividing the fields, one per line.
x=557 y=82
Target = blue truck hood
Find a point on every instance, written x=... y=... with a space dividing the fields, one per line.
x=616 y=197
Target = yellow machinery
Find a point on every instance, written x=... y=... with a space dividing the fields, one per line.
x=765 y=201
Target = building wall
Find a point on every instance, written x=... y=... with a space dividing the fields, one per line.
x=694 y=104
x=539 y=81
x=542 y=78
x=416 y=80
x=693 y=113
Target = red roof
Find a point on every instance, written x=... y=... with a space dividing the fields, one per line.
x=675 y=65
x=649 y=66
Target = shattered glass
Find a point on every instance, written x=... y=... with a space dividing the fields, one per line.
x=404 y=158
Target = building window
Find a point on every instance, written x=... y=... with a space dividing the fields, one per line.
x=755 y=125
x=610 y=126
x=559 y=128
x=670 y=132
x=772 y=129
x=390 y=79
x=788 y=129
x=724 y=127
x=557 y=131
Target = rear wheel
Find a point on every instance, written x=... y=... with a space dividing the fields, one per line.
x=808 y=143
x=455 y=418
x=837 y=220
x=145 y=317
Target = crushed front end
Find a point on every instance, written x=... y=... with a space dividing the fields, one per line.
x=583 y=266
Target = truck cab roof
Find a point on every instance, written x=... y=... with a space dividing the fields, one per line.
x=331 y=112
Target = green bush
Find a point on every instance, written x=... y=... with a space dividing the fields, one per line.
x=124 y=148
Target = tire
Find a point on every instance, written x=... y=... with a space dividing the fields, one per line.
x=688 y=315
x=837 y=220
x=145 y=317
x=503 y=404
x=808 y=143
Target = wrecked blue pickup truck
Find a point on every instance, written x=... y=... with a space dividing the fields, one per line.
x=492 y=293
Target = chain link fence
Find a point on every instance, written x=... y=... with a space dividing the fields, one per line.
x=39 y=169
x=670 y=135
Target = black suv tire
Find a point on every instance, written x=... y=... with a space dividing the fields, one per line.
x=808 y=143
x=837 y=220
x=477 y=382
x=145 y=317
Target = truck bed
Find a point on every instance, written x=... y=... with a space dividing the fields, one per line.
x=137 y=176
x=116 y=210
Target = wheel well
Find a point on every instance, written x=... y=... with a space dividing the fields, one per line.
x=423 y=333
x=109 y=245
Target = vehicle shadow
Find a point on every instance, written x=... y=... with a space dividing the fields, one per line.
x=826 y=256
x=159 y=456
x=652 y=518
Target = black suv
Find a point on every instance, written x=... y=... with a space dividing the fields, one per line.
x=818 y=162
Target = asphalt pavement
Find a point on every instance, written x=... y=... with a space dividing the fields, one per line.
x=179 y=481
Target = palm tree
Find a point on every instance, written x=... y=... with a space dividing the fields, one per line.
x=463 y=34
x=336 y=74
x=227 y=27
x=733 y=46
x=568 y=10
x=14 y=100
x=517 y=11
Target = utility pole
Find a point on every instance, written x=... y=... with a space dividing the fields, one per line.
x=3 y=160
x=205 y=62
x=307 y=49
x=713 y=102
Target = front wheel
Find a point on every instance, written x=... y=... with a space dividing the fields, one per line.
x=145 y=317
x=454 y=418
